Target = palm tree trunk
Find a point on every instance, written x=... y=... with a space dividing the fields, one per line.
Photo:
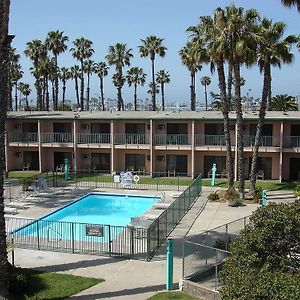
x=195 y=95
x=153 y=87
x=229 y=85
x=27 y=103
x=47 y=94
x=205 y=92
x=64 y=94
x=262 y=113
x=192 y=92
x=77 y=92
x=269 y=106
x=55 y=99
x=53 y=94
x=135 y=96
x=102 y=93
x=239 y=122
x=225 y=108
x=5 y=41
x=88 y=93
x=16 y=95
x=9 y=102
x=82 y=86
x=163 y=96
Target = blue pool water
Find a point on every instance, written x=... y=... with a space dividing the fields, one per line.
x=71 y=221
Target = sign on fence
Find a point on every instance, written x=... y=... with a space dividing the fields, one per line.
x=126 y=179
x=94 y=230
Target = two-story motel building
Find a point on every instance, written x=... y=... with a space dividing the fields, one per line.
x=182 y=142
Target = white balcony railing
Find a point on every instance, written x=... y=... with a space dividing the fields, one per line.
x=210 y=140
x=131 y=138
x=291 y=142
x=172 y=139
x=22 y=137
x=57 y=137
x=93 y=138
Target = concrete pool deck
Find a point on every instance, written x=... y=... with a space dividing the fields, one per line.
x=127 y=278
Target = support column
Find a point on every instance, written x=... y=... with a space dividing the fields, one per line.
x=151 y=148
x=112 y=163
x=40 y=147
x=193 y=149
x=75 y=145
x=235 y=155
x=6 y=152
x=280 y=153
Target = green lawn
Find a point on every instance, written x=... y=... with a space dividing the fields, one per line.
x=266 y=185
x=22 y=174
x=172 y=295
x=48 y=285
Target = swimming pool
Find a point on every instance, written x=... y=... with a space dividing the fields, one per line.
x=100 y=216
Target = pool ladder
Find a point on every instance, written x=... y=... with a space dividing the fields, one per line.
x=55 y=231
x=162 y=198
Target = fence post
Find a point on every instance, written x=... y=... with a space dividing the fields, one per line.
x=158 y=232
x=216 y=271
x=148 y=244
x=53 y=179
x=157 y=183
x=226 y=237
x=183 y=257
x=72 y=231
x=12 y=250
x=38 y=235
x=109 y=240
x=132 y=240
x=169 y=285
x=178 y=182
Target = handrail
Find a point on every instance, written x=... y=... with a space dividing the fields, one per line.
x=162 y=199
x=48 y=230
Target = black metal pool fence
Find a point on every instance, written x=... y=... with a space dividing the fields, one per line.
x=115 y=241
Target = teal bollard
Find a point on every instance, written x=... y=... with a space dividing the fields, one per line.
x=169 y=284
x=213 y=174
x=66 y=169
x=264 y=198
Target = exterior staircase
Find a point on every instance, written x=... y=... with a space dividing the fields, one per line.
x=280 y=196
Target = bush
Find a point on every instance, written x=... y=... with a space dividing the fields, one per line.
x=213 y=196
x=264 y=261
x=231 y=194
x=18 y=279
x=258 y=195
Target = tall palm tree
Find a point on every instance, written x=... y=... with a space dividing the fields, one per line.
x=272 y=50
x=290 y=3
x=135 y=76
x=75 y=74
x=119 y=56
x=284 y=103
x=56 y=43
x=193 y=54
x=88 y=69
x=64 y=76
x=5 y=41
x=151 y=89
x=82 y=50
x=101 y=69
x=209 y=33
x=36 y=51
x=151 y=46
x=205 y=81
x=162 y=77
x=16 y=75
x=25 y=91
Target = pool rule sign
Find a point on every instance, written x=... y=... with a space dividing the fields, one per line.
x=94 y=230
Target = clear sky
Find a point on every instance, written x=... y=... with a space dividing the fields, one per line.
x=107 y=22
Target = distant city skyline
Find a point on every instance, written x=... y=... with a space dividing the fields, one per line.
x=108 y=22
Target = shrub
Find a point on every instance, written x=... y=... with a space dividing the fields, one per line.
x=231 y=194
x=264 y=261
x=18 y=279
x=213 y=196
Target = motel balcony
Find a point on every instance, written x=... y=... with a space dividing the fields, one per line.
x=266 y=141
x=93 y=138
x=210 y=140
x=57 y=138
x=131 y=139
x=172 y=139
x=291 y=142
x=22 y=137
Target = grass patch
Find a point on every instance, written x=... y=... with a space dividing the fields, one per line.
x=42 y=285
x=22 y=174
x=265 y=185
x=172 y=295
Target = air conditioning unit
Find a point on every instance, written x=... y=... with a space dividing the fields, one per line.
x=148 y=157
x=18 y=154
x=160 y=126
x=85 y=155
x=160 y=158
x=18 y=126
x=85 y=126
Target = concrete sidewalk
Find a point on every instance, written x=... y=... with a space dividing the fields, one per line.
x=133 y=279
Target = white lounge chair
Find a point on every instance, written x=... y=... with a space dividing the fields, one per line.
x=161 y=205
x=22 y=205
x=10 y=210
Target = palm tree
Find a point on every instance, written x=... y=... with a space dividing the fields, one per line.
x=36 y=51
x=64 y=76
x=101 y=69
x=156 y=89
x=16 y=75
x=75 y=74
x=5 y=41
x=205 y=81
x=88 y=69
x=290 y=3
x=272 y=50
x=81 y=51
x=119 y=55
x=56 y=43
x=284 y=103
x=209 y=34
x=136 y=76
x=192 y=56
x=162 y=77
x=151 y=46
x=25 y=91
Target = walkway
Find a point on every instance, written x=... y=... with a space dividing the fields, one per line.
x=132 y=279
